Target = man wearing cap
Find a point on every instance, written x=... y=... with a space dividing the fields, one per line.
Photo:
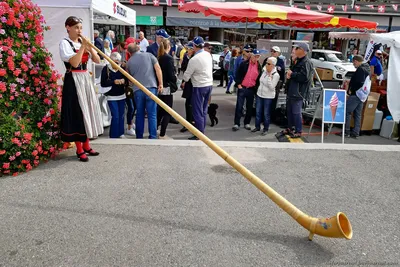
x=280 y=64
x=160 y=34
x=353 y=104
x=143 y=42
x=300 y=81
x=200 y=72
x=144 y=68
x=244 y=56
x=376 y=64
x=247 y=80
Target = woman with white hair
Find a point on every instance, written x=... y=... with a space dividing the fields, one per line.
x=107 y=48
x=110 y=36
x=113 y=78
x=265 y=94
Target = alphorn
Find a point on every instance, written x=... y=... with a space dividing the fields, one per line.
x=337 y=226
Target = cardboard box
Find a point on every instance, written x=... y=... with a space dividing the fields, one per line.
x=368 y=113
x=325 y=74
x=371 y=104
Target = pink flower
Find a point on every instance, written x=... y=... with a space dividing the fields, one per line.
x=18 y=154
x=26 y=35
x=12 y=158
x=2 y=31
x=17 y=133
x=2 y=152
x=12 y=98
x=3 y=19
x=3 y=87
x=6 y=165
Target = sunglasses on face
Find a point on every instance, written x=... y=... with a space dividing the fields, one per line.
x=273 y=51
x=269 y=64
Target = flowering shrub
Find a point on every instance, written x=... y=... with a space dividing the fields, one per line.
x=29 y=94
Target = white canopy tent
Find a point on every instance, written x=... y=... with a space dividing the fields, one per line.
x=55 y=13
x=392 y=40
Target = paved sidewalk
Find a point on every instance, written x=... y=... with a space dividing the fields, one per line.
x=223 y=131
x=177 y=205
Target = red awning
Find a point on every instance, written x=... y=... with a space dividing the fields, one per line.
x=274 y=14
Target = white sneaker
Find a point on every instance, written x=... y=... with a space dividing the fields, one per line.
x=247 y=127
x=131 y=132
x=122 y=136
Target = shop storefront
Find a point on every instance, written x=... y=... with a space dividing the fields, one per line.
x=148 y=20
x=197 y=24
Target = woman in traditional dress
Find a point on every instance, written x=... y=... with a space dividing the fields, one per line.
x=80 y=110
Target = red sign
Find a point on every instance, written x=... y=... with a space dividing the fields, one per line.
x=156 y=2
x=331 y=9
x=381 y=9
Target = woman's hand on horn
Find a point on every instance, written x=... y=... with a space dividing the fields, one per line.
x=85 y=43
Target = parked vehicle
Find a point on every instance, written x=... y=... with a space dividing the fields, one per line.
x=335 y=61
x=217 y=49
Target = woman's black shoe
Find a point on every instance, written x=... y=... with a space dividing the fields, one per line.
x=91 y=152
x=82 y=157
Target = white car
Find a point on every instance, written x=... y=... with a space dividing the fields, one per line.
x=333 y=60
x=217 y=49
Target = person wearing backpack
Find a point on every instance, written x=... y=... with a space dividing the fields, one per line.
x=354 y=104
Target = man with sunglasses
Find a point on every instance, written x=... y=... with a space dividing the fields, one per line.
x=300 y=77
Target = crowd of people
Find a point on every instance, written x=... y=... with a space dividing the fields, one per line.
x=156 y=66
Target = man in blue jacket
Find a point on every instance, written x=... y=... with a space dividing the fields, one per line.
x=160 y=35
x=300 y=77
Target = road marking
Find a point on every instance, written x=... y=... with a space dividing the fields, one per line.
x=272 y=145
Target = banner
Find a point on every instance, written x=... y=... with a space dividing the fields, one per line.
x=369 y=51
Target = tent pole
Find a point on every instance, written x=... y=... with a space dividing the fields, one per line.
x=245 y=34
x=92 y=38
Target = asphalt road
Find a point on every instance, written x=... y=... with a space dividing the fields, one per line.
x=170 y=205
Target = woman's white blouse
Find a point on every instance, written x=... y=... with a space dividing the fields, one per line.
x=66 y=52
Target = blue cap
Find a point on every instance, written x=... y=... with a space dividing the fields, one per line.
x=198 y=41
x=256 y=52
x=190 y=45
x=162 y=33
x=247 y=48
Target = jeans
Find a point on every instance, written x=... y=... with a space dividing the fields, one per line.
x=200 y=98
x=231 y=79
x=163 y=117
x=295 y=119
x=144 y=102
x=263 y=108
x=242 y=95
x=117 y=108
x=131 y=110
x=355 y=106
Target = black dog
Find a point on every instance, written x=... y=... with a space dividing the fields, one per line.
x=212 y=112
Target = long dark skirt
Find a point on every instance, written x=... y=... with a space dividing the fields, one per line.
x=72 y=124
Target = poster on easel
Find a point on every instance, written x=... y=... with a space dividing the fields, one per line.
x=334 y=109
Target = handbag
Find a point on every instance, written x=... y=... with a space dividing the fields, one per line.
x=173 y=87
